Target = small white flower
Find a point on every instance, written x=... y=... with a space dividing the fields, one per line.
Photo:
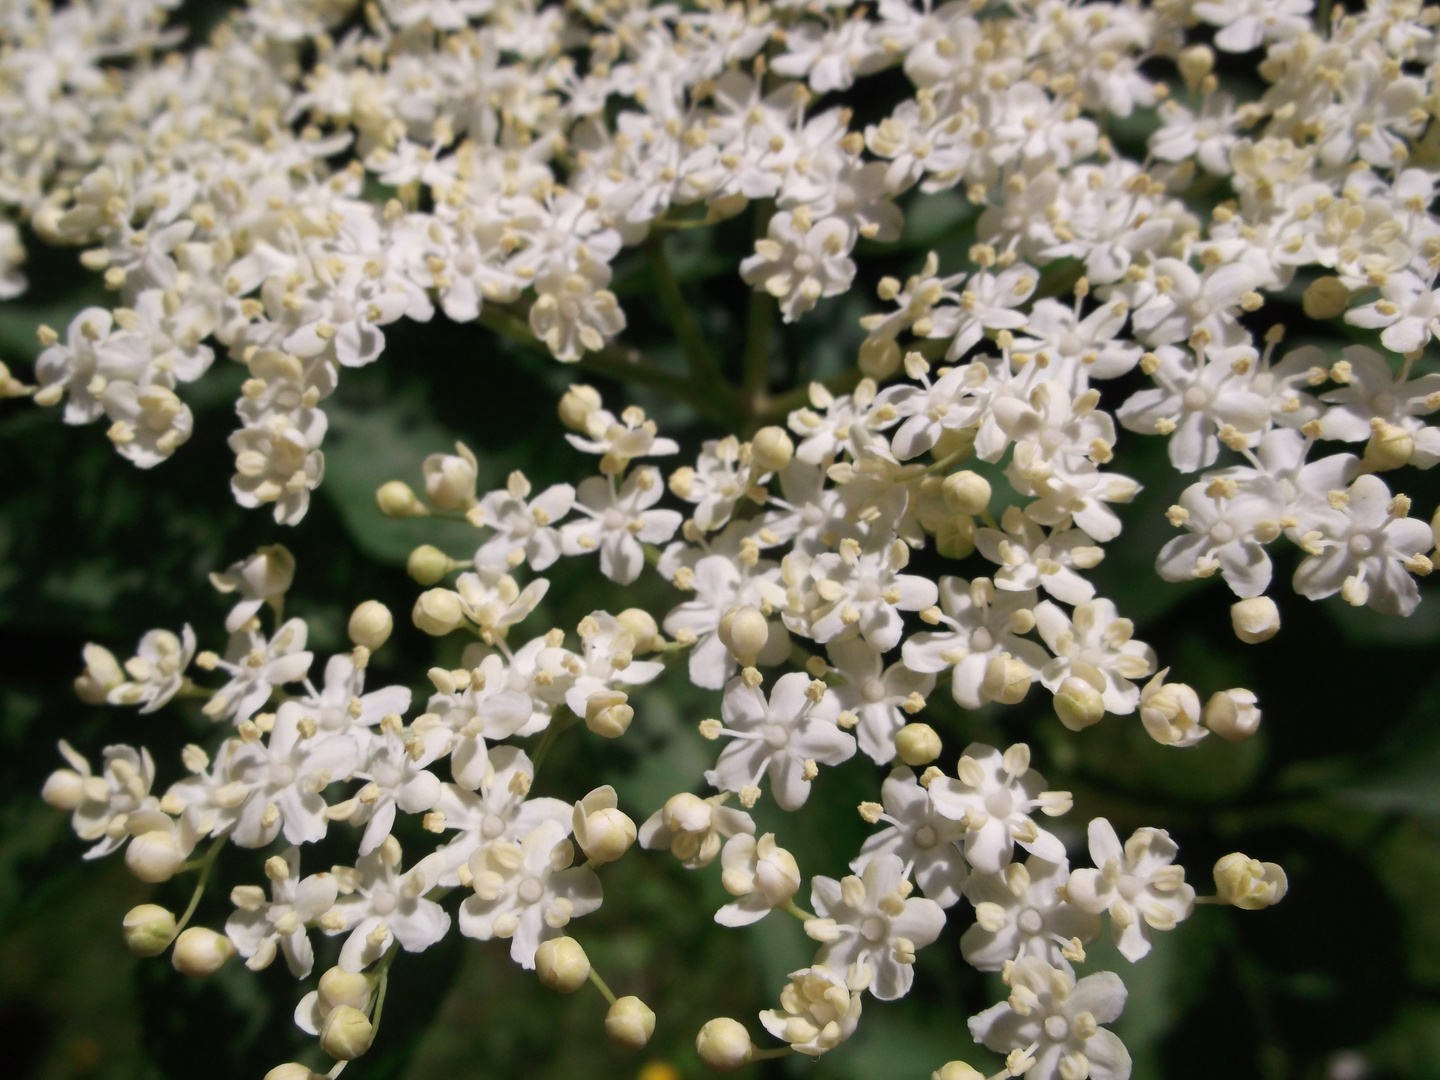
x=927 y=842
x=617 y=522
x=993 y=798
x=760 y=874
x=1139 y=885
x=262 y=927
x=1019 y=912
x=379 y=905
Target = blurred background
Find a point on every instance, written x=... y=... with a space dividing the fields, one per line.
x=1341 y=786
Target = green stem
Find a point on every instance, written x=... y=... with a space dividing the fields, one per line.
x=205 y=864
x=600 y=985
x=792 y=908
x=774 y=410
x=705 y=373
x=562 y=720
x=613 y=362
x=756 y=1054
x=757 y=329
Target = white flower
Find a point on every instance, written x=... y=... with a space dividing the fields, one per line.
x=261 y=927
x=1368 y=552
x=982 y=628
x=279 y=461
x=1228 y=525
x=862 y=590
x=524 y=531
x=720 y=583
x=879 y=697
x=993 y=798
x=785 y=737
x=818 y=1011
x=801 y=260
x=1373 y=392
x=102 y=804
x=527 y=892
x=265 y=575
x=573 y=311
x=632 y=436
x=619 y=521
x=157 y=670
x=1094 y=644
x=760 y=874
x=1019 y=912
x=399 y=778
x=872 y=922
x=1245 y=24
x=1138 y=884
x=1053 y=1022
x=692 y=827
x=379 y=906
x=1028 y=558
x=486 y=709
x=493 y=600
x=925 y=841
x=343 y=707
x=256 y=667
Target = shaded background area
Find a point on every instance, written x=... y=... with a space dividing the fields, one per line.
x=1341 y=786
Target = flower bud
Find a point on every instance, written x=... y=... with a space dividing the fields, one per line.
x=292 y=1070
x=1232 y=714
x=1248 y=883
x=1078 y=704
x=629 y=1023
x=744 y=632
x=450 y=478
x=339 y=987
x=101 y=675
x=955 y=537
x=1195 y=63
x=427 y=564
x=723 y=1044
x=641 y=626
x=1390 y=447
x=347 y=1033
x=1325 y=298
x=562 y=964
x=917 y=744
x=957 y=1070
x=64 y=789
x=1171 y=712
x=608 y=835
x=371 y=624
x=148 y=929
x=1255 y=620
x=396 y=500
x=966 y=492
x=576 y=406
x=607 y=714
x=437 y=612
x=199 y=952
x=771 y=449
x=879 y=358
x=1007 y=680
x=154 y=856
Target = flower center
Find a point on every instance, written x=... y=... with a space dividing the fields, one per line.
x=873 y=691
x=1000 y=803
x=777 y=735
x=873 y=928
x=1361 y=545
x=382 y=901
x=530 y=890
x=1056 y=1028
x=925 y=837
x=1030 y=921
x=492 y=827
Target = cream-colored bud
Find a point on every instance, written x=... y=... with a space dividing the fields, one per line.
x=427 y=564
x=957 y=1070
x=562 y=964
x=966 y=492
x=1007 y=680
x=64 y=789
x=879 y=358
x=576 y=406
x=1232 y=714
x=608 y=835
x=1390 y=447
x=200 y=951
x=154 y=856
x=371 y=624
x=1325 y=298
x=641 y=626
x=1255 y=620
x=339 y=987
x=917 y=744
x=1248 y=883
x=955 y=537
x=101 y=675
x=148 y=929
x=396 y=500
x=629 y=1023
x=1195 y=63
x=292 y=1070
x=1078 y=704
x=347 y=1033
x=607 y=714
x=450 y=478
x=437 y=611
x=744 y=632
x=723 y=1044
x=772 y=449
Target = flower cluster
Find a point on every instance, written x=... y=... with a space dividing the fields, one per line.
x=227 y=194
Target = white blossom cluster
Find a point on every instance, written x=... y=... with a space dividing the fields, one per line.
x=519 y=147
